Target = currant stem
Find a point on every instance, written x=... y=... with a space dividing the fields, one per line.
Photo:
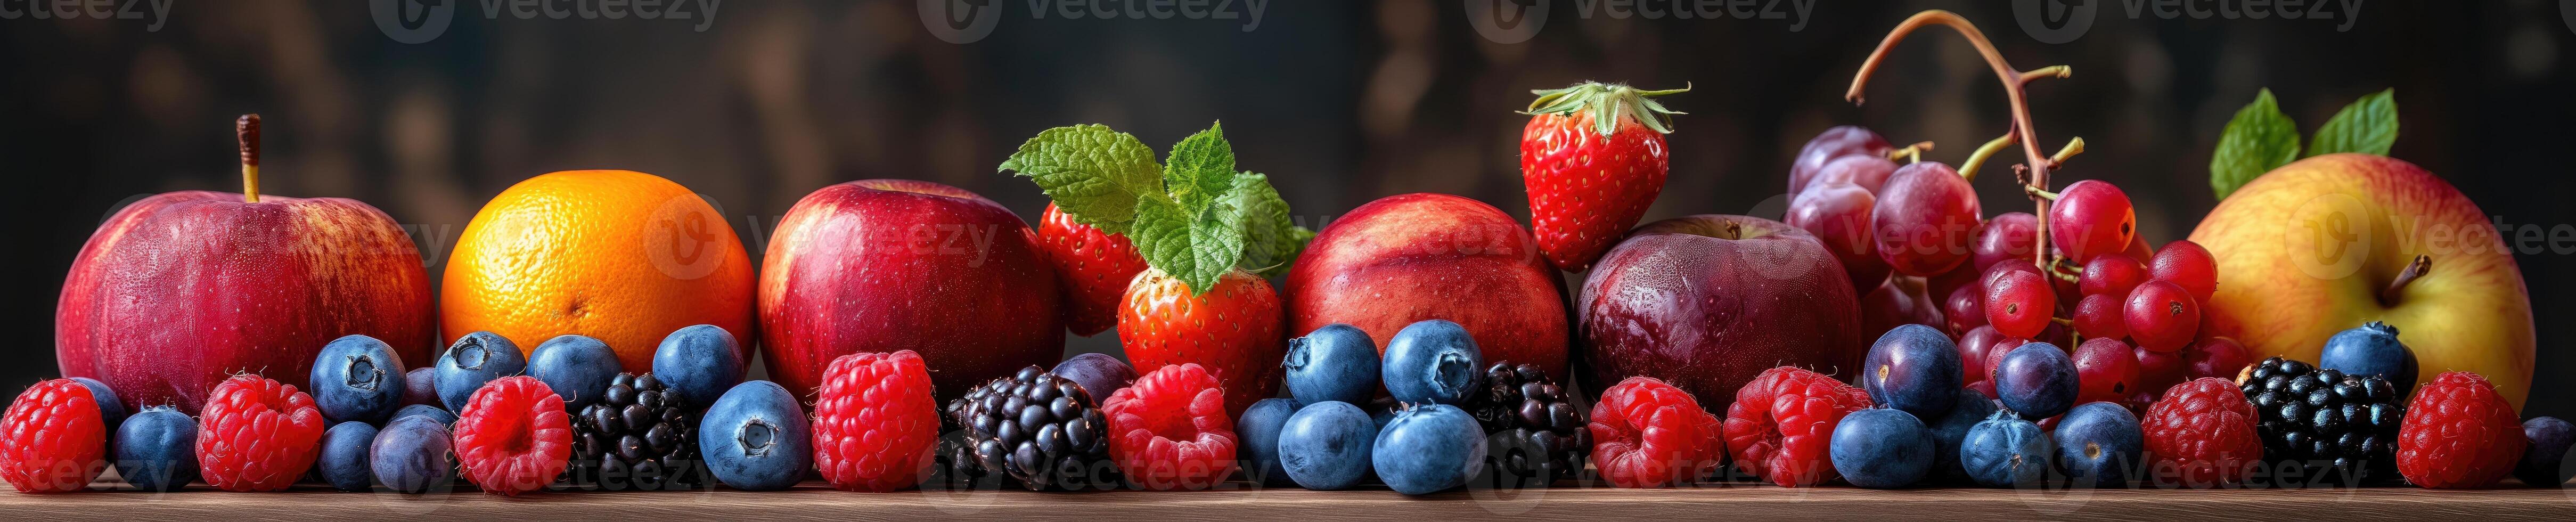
x=1911 y=153
x=2073 y=147
x=2037 y=193
x=2013 y=82
x=1977 y=160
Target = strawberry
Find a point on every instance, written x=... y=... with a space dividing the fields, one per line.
x=1233 y=330
x=1093 y=266
x=1593 y=157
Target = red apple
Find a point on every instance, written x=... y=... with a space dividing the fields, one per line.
x=1707 y=302
x=180 y=290
x=1415 y=257
x=882 y=265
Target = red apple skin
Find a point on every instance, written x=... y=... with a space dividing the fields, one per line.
x=2304 y=251
x=1415 y=257
x=180 y=290
x=883 y=265
x=1707 y=302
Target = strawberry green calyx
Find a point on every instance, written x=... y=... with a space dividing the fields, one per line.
x=1193 y=216
x=1607 y=104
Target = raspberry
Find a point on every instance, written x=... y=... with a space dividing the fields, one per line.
x=53 y=439
x=2458 y=434
x=257 y=434
x=1650 y=434
x=514 y=436
x=1170 y=431
x=2202 y=434
x=874 y=422
x=1782 y=425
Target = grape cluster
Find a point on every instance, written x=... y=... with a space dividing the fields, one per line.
x=1911 y=238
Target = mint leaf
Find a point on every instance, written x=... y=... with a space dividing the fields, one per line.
x=1092 y=173
x=1198 y=246
x=2259 y=139
x=1202 y=168
x=1271 y=238
x=2367 y=126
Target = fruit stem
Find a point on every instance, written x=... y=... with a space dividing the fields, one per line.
x=246 y=132
x=2037 y=193
x=2073 y=147
x=1978 y=159
x=2013 y=81
x=1911 y=153
x=2422 y=265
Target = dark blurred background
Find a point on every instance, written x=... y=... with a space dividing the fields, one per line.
x=1340 y=102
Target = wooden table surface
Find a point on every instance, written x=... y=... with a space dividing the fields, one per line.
x=1240 y=503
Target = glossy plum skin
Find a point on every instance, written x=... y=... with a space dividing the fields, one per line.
x=1102 y=374
x=1925 y=217
x=1882 y=448
x=1915 y=369
x=413 y=454
x=2037 y=380
x=1708 y=302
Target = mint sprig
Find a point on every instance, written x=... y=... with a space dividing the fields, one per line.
x=2261 y=138
x=1193 y=217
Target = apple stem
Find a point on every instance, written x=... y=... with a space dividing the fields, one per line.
x=246 y=131
x=2422 y=265
x=2014 y=83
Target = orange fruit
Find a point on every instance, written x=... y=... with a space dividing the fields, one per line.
x=622 y=256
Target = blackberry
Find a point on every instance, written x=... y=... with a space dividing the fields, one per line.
x=1533 y=432
x=1036 y=428
x=637 y=436
x=2326 y=426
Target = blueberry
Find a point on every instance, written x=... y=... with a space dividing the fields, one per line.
x=156 y=449
x=413 y=454
x=1382 y=411
x=1882 y=448
x=575 y=366
x=2036 y=379
x=475 y=359
x=1099 y=374
x=1913 y=368
x=1257 y=437
x=756 y=438
x=1428 y=448
x=357 y=379
x=1950 y=430
x=110 y=410
x=1335 y=363
x=420 y=386
x=2545 y=463
x=1325 y=445
x=700 y=363
x=425 y=410
x=2099 y=445
x=2005 y=451
x=2371 y=349
x=1432 y=362
x=342 y=461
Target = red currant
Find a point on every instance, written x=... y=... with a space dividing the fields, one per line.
x=1838 y=215
x=1973 y=347
x=2007 y=236
x=1965 y=309
x=2112 y=275
x=2019 y=303
x=2099 y=316
x=1995 y=357
x=2092 y=218
x=2158 y=370
x=2105 y=371
x=2216 y=356
x=1925 y=216
x=2186 y=263
x=2161 y=316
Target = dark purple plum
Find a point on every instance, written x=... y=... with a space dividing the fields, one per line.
x=1913 y=368
x=2037 y=380
x=1099 y=374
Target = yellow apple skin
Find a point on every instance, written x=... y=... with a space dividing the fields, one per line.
x=2304 y=252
